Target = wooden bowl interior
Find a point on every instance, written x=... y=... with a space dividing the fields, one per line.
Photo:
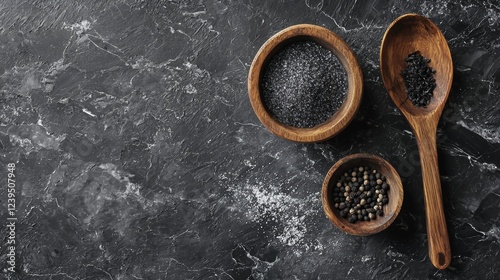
x=408 y=34
x=395 y=194
x=329 y=40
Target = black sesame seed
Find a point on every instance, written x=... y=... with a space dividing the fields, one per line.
x=419 y=79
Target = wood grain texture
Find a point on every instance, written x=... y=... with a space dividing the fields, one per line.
x=405 y=35
x=395 y=194
x=335 y=44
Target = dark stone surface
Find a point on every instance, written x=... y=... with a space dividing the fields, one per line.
x=138 y=155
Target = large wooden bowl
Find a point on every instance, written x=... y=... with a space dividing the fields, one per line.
x=395 y=194
x=330 y=41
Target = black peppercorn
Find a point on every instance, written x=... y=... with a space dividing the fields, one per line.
x=343 y=213
x=360 y=194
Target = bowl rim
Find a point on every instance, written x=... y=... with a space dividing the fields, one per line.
x=344 y=114
x=333 y=216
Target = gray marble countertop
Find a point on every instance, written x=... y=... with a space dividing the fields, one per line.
x=138 y=156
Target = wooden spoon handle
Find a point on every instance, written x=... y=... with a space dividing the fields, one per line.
x=437 y=233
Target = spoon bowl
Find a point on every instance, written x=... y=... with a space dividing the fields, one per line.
x=405 y=35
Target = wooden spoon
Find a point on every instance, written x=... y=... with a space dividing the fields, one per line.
x=407 y=34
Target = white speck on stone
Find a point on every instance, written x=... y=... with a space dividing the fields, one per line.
x=248 y=163
x=350 y=270
x=88 y=112
x=190 y=89
x=393 y=254
x=78 y=28
x=488 y=167
x=365 y=259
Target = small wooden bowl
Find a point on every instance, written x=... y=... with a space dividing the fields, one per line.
x=330 y=41
x=395 y=194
